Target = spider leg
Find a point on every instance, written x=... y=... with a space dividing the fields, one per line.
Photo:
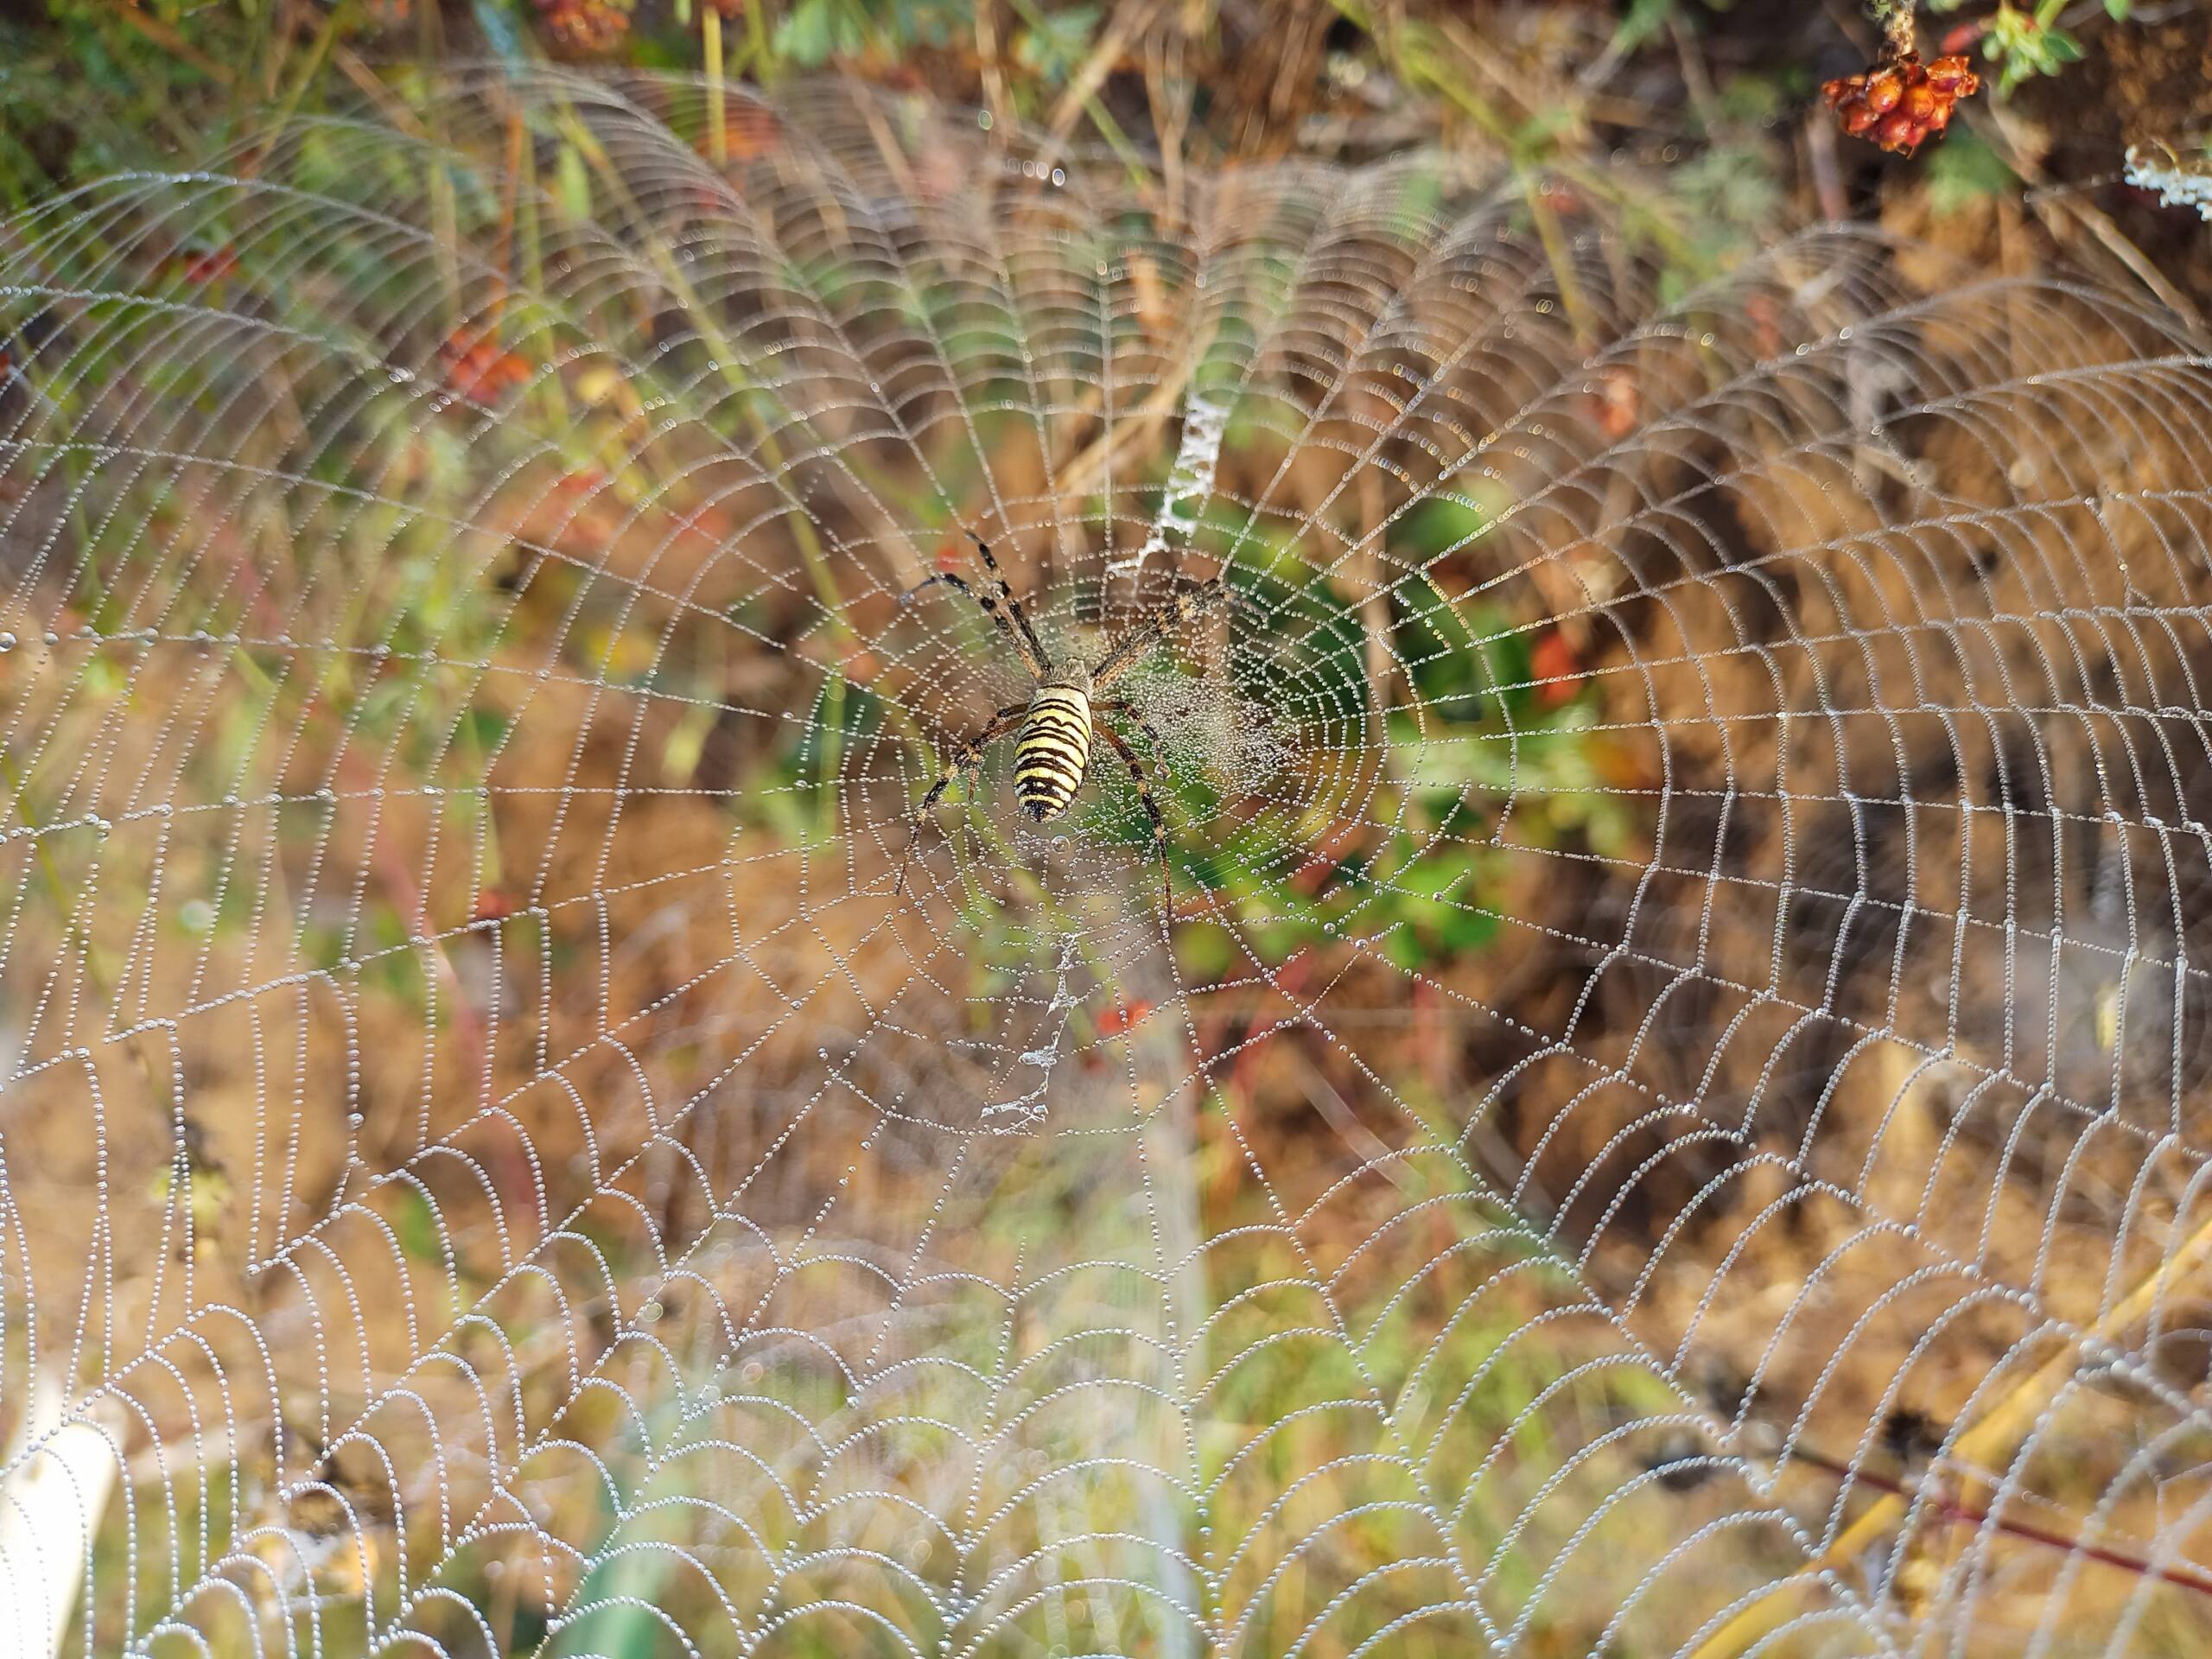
x=1038 y=665
x=1014 y=605
x=1128 y=711
x=1144 y=790
x=1191 y=602
x=968 y=760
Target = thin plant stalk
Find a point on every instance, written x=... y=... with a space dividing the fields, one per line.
x=710 y=34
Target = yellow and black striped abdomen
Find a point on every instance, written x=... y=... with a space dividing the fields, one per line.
x=1054 y=748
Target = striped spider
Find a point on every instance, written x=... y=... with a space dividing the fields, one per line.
x=1053 y=748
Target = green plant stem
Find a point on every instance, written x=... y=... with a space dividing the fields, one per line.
x=756 y=43
x=710 y=35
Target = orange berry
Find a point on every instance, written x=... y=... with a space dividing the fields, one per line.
x=1900 y=103
x=1112 y=1022
x=1556 y=670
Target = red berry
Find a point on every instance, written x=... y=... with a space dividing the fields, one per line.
x=1554 y=669
x=1899 y=103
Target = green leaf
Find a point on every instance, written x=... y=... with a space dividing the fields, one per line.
x=415 y=1226
x=482 y=728
x=1646 y=21
x=1445 y=523
x=1965 y=170
x=1469 y=930
x=811 y=33
x=1055 y=43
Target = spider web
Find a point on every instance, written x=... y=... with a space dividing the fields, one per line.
x=1658 y=1113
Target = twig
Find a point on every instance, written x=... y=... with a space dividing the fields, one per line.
x=1361 y=1142
x=2013 y=1416
x=50 y=1508
x=1130 y=21
x=762 y=61
x=988 y=60
x=173 y=43
x=1827 y=183
x=1952 y=1508
x=1894 y=17
x=2047 y=202
x=1168 y=90
x=350 y=65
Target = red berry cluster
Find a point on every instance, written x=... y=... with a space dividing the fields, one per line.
x=200 y=265
x=1901 y=104
x=586 y=25
x=477 y=369
x=749 y=131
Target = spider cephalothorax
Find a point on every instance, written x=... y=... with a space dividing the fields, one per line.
x=1052 y=751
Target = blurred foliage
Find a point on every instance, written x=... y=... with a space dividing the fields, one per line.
x=90 y=86
x=1964 y=169
x=2021 y=41
x=1717 y=93
x=1493 y=744
x=816 y=32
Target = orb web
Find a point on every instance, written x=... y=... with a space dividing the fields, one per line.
x=1654 y=1107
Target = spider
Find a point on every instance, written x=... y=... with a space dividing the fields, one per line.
x=1053 y=749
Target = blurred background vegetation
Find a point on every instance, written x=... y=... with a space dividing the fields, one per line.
x=2037 y=166
x=87 y=86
